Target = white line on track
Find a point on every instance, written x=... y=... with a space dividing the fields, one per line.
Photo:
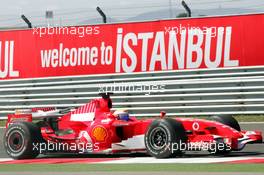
x=5 y=159
x=159 y=161
x=178 y=160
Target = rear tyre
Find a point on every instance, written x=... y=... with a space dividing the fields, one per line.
x=227 y=120
x=19 y=140
x=164 y=138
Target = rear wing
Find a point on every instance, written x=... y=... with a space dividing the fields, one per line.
x=13 y=118
x=27 y=115
x=39 y=112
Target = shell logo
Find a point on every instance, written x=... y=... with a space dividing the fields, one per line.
x=99 y=133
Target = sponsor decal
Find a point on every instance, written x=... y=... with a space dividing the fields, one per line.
x=85 y=117
x=195 y=126
x=99 y=133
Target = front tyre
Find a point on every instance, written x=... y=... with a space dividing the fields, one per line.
x=164 y=138
x=19 y=140
x=227 y=120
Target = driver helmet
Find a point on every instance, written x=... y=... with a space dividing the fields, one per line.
x=122 y=114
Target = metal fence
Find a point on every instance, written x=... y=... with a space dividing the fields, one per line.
x=180 y=92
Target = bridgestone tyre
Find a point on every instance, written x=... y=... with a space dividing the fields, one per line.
x=164 y=138
x=227 y=120
x=19 y=140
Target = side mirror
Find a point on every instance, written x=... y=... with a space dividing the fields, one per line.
x=162 y=114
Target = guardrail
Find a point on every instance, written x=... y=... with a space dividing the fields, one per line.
x=185 y=92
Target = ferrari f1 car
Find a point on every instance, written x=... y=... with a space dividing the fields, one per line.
x=93 y=128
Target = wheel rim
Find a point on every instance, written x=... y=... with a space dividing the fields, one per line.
x=158 y=138
x=15 y=141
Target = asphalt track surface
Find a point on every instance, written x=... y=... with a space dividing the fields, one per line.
x=251 y=150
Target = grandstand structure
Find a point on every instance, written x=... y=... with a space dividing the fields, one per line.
x=185 y=92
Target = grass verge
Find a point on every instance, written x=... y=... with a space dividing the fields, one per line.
x=132 y=167
x=2 y=123
x=250 y=118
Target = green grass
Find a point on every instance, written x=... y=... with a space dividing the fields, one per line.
x=133 y=167
x=250 y=118
x=2 y=122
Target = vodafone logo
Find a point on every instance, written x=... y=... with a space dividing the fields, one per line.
x=195 y=126
x=7 y=60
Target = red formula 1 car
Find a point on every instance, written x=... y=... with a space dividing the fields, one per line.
x=93 y=128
